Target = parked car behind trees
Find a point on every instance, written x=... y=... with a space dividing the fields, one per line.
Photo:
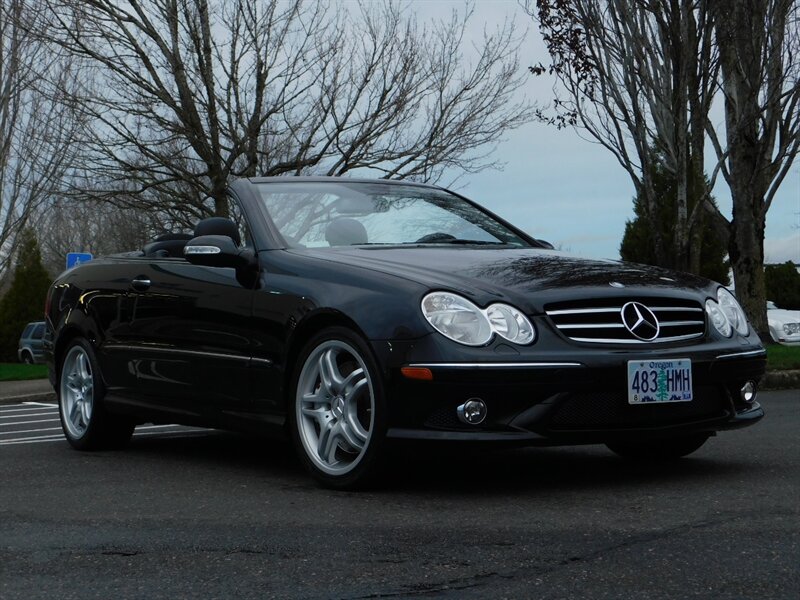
x=30 y=343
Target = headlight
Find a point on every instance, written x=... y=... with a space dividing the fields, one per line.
x=733 y=311
x=457 y=318
x=718 y=318
x=791 y=328
x=511 y=324
x=460 y=320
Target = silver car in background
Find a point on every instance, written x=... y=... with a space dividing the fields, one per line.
x=784 y=325
x=29 y=349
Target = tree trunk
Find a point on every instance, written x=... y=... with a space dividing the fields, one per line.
x=746 y=250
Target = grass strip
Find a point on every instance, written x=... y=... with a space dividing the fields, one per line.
x=21 y=372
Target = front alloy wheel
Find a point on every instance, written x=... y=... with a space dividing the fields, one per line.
x=77 y=392
x=337 y=409
x=86 y=423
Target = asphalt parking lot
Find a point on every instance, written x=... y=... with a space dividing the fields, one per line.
x=186 y=513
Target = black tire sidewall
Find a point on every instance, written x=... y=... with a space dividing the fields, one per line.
x=366 y=471
x=104 y=430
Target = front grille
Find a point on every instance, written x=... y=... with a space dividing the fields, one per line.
x=590 y=410
x=600 y=321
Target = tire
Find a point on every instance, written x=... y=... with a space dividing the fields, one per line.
x=27 y=358
x=337 y=409
x=669 y=449
x=86 y=423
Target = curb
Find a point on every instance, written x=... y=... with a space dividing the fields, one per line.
x=780 y=380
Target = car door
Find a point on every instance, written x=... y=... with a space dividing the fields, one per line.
x=193 y=326
x=192 y=330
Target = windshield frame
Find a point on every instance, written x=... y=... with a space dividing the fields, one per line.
x=275 y=240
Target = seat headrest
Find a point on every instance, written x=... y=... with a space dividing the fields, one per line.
x=167 y=244
x=218 y=226
x=345 y=232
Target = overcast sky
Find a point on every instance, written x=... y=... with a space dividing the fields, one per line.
x=570 y=191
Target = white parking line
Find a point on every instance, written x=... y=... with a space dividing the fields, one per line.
x=14 y=443
x=39 y=414
x=5 y=411
x=56 y=436
x=27 y=422
x=16 y=431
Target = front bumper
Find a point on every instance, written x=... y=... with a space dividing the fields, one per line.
x=580 y=399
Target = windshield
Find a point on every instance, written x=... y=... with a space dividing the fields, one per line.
x=323 y=214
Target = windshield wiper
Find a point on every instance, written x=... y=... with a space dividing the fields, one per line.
x=459 y=241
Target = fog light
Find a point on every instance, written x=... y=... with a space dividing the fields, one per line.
x=748 y=392
x=472 y=412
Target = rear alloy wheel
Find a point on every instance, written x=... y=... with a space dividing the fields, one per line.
x=27 y=358
x=86 y=423
x=668 y=449
x=337 y=417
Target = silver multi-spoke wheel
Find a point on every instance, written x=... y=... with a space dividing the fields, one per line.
x=77 y=392
x=335 y=407
x=87 y=422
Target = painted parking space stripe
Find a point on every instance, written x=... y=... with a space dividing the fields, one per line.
x=28 y=422
x=12 y=417
x=23 y=416
x=177 y=433
x=25 y=408
x=18 y=431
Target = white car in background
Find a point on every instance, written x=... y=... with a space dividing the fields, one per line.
x=784 y=325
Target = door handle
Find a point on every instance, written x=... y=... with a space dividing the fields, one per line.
x=141 y=284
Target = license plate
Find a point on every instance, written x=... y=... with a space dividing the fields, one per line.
x=656 y=381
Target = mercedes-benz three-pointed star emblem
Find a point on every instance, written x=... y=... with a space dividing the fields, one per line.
x=640 y=321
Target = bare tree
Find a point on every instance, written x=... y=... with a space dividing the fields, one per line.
x=639 y=78
x=637 y=75
x=759 y=46
x=189 y=93
x=36 y=122
x=68 y=225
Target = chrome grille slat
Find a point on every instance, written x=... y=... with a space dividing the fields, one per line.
x=599 y=321
x=680 y=323
x=659 y=340
x=591 y=326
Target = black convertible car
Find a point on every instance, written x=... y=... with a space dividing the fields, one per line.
x=352 y=313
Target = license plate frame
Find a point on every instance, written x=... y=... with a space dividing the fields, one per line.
x=660 y=381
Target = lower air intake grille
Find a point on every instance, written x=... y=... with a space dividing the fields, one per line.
x=589 y=410
x=613 y=320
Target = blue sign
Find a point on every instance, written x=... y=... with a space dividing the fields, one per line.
x=76 y=258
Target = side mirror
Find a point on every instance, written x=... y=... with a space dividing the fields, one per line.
x=546 y=244
x=217 y=251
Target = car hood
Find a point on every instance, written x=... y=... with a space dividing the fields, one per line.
x=781 y=316
x=527 y=276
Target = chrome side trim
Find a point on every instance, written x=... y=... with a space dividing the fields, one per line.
x=185 y=352
x=263 y=361
x=494 y=365
x=742 y=354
